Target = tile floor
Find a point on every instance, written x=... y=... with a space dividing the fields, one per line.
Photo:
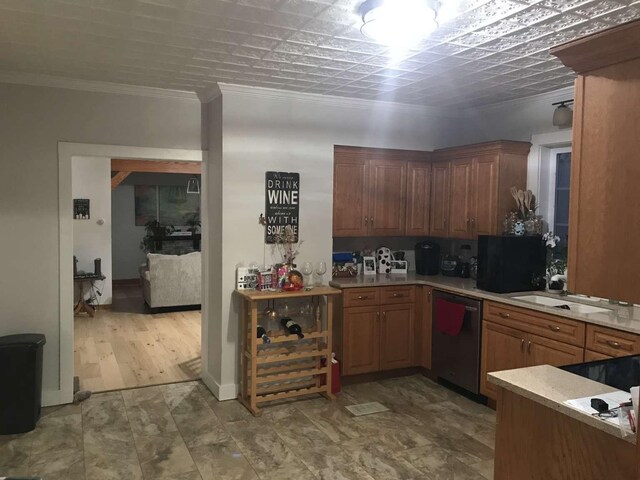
x=181 y=432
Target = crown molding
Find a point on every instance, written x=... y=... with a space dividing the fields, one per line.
x=19 y=78
x=333 y=100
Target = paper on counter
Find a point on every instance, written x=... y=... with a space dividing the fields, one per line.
x=614 y=399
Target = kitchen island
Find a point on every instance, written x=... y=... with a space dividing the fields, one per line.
x=539 y=437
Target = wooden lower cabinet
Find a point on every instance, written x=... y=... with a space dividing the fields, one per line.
x=396 y=336
x=502 y=349
x=506 y=348
x=361 y=345
x=591 y=356
x=543 y=351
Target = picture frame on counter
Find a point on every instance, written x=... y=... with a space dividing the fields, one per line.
x=369 y=265
x=399 y=266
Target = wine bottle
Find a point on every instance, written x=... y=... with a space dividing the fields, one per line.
x=292 y=327
x=262 y=333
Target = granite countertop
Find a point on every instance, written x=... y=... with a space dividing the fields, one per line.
x=618 y=317
x=550 y=386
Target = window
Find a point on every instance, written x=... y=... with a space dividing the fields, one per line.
x=561 y=216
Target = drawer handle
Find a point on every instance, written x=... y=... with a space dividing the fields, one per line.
x=362 y=297
x=529 y=347
x=614 y=344
x=397 y=295
x=522 y=345
x=504 y=315
x=555 y=328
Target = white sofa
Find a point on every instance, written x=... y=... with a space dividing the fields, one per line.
x=172 y=280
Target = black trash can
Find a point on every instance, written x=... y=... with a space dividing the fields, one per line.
x=20 y=382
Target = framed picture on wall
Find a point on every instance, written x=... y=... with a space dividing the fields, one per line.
x=81 y=210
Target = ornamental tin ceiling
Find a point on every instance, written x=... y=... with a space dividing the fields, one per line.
x=484 y=51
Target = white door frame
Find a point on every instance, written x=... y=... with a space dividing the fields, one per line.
x=66 y=151
x=541 y=171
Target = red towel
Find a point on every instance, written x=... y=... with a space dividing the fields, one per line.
x=449 y=317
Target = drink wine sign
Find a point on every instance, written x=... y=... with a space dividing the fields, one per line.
x=282 y=207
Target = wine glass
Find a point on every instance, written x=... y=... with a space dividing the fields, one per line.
x=307 y=271
x=321 y=269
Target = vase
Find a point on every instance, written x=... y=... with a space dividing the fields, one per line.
x=530 y=224
x=519 y=228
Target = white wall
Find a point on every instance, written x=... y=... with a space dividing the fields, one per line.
x=91 y=178
x=512 y=120
x=266 y=130
x=33 y=121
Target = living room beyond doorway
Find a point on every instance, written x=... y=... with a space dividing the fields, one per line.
x=140 y=321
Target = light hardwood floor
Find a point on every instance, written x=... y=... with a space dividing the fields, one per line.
x=116 y=350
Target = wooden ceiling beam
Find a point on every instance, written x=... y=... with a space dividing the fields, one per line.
x=155 y=166
x=118 y=178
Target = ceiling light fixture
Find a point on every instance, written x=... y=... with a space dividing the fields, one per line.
x=563 y=115
x=193 y=186
x=399 y=23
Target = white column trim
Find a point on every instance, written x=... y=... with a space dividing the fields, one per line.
x=66 y=151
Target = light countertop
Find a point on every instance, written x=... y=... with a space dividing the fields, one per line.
x=550 y=386
x=618 y=317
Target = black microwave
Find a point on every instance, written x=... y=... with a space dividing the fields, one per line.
x=511 y=263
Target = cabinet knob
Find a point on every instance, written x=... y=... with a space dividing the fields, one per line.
x=613 y=344
x=362 y=297
x=366 y=221
x=371 y=220
x=529 y=347
x=397 y=295
x=555 y=328
x=522 y=344
x=504 y=315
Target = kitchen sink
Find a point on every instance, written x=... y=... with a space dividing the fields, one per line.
x=559 y=303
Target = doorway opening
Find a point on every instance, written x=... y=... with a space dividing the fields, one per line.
x=137 y=272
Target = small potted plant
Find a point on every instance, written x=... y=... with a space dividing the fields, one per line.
x=193 y=223
x=155 y=234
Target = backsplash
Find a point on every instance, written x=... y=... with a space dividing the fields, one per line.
x=405 y=244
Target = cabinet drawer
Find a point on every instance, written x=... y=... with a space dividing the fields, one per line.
x=612 y=342
x=361 y=297
x=395 y=295
x=550 y=326
x=590 y=356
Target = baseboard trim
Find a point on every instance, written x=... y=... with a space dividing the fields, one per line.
x=228 y=391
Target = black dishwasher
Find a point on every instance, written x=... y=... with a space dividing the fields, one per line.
x=456 y=358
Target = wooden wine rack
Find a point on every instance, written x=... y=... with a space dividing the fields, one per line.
x=287 y=367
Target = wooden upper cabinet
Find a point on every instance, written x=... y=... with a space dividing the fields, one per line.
x=481 y=178
x=370 y=192
x=418 y=198
x=484 y=219
x=439 y=221
x=350 y=194
x=461 y=198
x=388 y=187
x=603 y=257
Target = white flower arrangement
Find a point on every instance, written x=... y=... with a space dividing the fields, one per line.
x=551 y=240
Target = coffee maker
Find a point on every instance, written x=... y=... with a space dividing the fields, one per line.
x=427 y=258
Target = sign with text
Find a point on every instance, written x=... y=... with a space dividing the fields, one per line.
x=282 y=204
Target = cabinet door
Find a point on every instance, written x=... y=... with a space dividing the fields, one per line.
x=350 y=194
x=418 y=198
x=503 y=348
x=544 y=351
x=427 y=320
x=396 y=336
x=360 y=340
x=439 y=218
x=484 y=218
x=387 y=201
x=461 y=195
